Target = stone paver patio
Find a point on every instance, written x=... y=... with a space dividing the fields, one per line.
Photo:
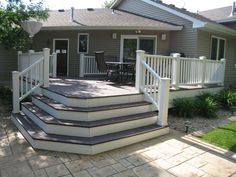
x=172 y=155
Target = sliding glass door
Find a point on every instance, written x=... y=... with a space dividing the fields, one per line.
x=129 y=45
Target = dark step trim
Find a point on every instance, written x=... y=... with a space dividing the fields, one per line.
x=38 y=134
x=84 y=97
x=49 y=119
x=59 y=106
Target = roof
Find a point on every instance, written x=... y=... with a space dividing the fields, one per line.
x=198 y=20
x=103 y=19
x=219 y=14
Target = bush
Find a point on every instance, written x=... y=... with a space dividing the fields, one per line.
x=6 y=94
x=206 y=105
x=227 y=98
x=183 y=107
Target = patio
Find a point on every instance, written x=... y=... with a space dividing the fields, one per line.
x=175 y=154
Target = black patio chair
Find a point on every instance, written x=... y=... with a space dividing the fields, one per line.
x=110 y=70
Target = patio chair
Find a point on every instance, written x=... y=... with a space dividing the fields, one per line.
x=110 y=70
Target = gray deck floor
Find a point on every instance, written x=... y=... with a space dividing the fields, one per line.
x=89 y=88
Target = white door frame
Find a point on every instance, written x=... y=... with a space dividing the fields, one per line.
x=68 y=50
x=135 y=37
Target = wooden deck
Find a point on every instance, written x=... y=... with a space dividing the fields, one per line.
x=89 y=88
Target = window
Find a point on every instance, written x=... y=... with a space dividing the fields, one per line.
x=83 y=43
x=217 y=48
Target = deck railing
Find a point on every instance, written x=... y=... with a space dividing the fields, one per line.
x=188 y=71
x=88 y=66
x=27 y=59
x=154 y=86
x=31 y=78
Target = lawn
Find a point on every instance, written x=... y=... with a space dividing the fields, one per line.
x=224 y=136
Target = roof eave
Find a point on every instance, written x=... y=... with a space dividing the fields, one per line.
x=49 y=28
x=220 y=28
x=226 y=20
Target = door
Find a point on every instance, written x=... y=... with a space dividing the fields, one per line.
x=61 y=48
x=130 y=44
x=129 y=48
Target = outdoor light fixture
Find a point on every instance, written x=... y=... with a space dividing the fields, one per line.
x=31 y=27
x=163 y=37
x=138 y=31
x=114 y=35
x=187 y=125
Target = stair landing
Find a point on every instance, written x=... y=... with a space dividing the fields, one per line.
x=77 y=88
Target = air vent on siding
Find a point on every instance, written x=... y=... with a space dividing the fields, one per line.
x=61 y=10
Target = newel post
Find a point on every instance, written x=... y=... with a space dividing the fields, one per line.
x=223 y=72
x=54 y=64
x=30 y=52
x=176 y=70
x=15 y=93
x=46 y=55
x=203 y=59
x=163 y=101
x=139 y=70
x=81 y=64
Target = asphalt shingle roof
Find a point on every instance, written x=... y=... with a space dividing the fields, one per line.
x=102 y=18
x=218 y=14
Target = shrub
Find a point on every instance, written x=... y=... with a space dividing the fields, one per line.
x=183 y=107
x=6 y=94
x=206 y=105
x=227 y=98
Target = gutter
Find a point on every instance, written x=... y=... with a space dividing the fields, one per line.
x=220 y=28
x=50 y=28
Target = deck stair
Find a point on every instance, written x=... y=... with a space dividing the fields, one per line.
x=87 y=125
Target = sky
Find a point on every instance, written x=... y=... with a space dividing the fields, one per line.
x=191 y=5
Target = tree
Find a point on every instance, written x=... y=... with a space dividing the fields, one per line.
x=107 y=4
x=12 y=14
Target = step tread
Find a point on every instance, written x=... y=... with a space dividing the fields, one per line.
x=49 y=119
x=38 y=134
x=59 y=106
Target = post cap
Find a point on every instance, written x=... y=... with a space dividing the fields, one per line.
x=202 y=57
x=140 y=51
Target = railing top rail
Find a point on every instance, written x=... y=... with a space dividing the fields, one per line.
x=151 y=70
x=214 y=61
x=89 y=56
x=31 y=66
x=158 y=56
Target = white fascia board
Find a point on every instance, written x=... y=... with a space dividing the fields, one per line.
x=196 y=23
x=220 y=28
x=115 y=3
x=174 y=28
x=226 y=20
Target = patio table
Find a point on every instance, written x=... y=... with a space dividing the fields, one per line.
x=122 y=66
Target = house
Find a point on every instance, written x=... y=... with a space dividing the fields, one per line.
x=89 y=117
x=129 y=25
x=224 y=15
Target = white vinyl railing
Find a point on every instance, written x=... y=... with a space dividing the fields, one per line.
x=187 y=71
x=155 y=87
x=31 y=78
x=27 y=59
x=88 y=66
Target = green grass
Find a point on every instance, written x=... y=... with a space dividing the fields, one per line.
x=224 y=136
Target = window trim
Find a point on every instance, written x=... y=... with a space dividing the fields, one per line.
x=78 y=43
x=218 y=46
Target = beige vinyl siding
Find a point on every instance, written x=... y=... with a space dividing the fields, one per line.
x=8 y=63
x=184 y=41
x=98 y=40
x=204 y=48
